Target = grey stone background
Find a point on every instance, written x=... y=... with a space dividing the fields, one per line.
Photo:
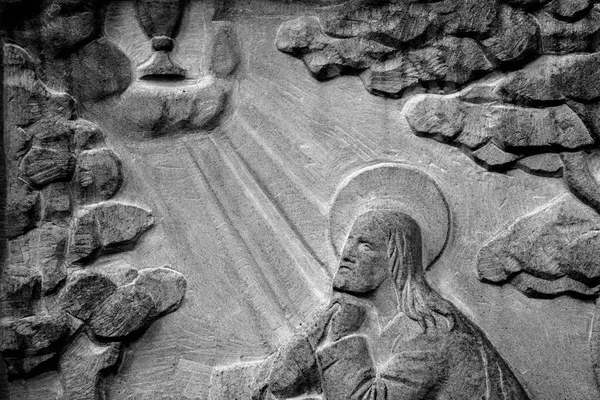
x=241 y=209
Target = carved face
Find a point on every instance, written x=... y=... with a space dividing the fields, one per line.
x=364 y=260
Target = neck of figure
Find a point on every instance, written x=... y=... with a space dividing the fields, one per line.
x=384 y=300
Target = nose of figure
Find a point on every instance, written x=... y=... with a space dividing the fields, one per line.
x=348 y=254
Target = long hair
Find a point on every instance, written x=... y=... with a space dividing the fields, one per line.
x=415 y=297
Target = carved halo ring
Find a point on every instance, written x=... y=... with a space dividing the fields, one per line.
x=392 y=186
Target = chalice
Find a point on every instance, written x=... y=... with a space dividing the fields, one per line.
x=160 y=19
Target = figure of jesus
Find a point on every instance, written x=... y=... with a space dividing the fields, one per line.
x=386 y=334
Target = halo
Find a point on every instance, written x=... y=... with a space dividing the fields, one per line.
x=392 y=186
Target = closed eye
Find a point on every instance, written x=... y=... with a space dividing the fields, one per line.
x=366 y=245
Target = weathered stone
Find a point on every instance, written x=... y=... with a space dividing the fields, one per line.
x=22 y=249
x=494 y=158
x=297 y=36
x=346 y=321
x=324 y=64
x=528 y=4
x=98 y=176
x=472 y=18
x=247 y=209
x=84 y=294
x=514 y=128
x=555 y=241
x=435 y=116
x=43 y=386
x=518 y=128
x=56 y=202
x=20 y=290
x=516 y=40
x=224 y=56
x=33 y=335
x=23 y=208
x=568 y=9
x=338 y=362
x=125 y=311
x=581 y=176
x=478 y=94
x=181 y=107
x=589 y=114
x=84 y=238
x=31 y=100
x=82 y=367
x=50 y=257
x=120 y=224
x=451 y=61
x=119 y=272
x=533 y=286
x=337 y=55
x=390 y=77
x=554 y=79
x=42 y=166
x=105 y=225
x=294 y=368
x=63 y=31
x=42 y=249
x=50 y=134
x=97 y=70
x=239 y=381
x=17 y=141
x=165 y=286
x=386 y=40
x=85 y=135
x=393 y=23
x=19 y=367
x=464 y=59
x=546 y=164
x=562 y=37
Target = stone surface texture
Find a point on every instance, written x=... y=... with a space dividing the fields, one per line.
x=57 y=315
x=185 y=181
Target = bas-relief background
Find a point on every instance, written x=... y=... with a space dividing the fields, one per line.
x=241 y=211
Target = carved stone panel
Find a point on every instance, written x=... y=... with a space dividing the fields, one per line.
x=202 y=201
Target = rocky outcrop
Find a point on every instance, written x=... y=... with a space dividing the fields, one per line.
x=160 y=110
x=443 y=45
x=497 y=135
x=61 y=179
x=549 y=252
x=82 y=366
x=104 y=226
x=114 y=308
x=400 y=45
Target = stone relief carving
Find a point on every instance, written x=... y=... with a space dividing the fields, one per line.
x=59 y=313
x=160 y=20
x=418 y=344
x=67 y=38
x=521 y=120
x=440 y=45
x=174 y=102
x=540 y=119
x=386 y=333
x=239 y=155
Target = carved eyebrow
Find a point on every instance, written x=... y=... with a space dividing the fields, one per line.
x=362 y=239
